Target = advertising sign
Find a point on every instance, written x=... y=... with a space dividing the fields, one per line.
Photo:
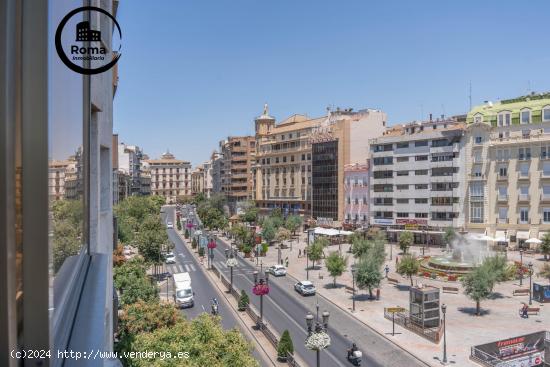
x=414 y=222
x=522 y=351
x=395 y=309
x=385 y=222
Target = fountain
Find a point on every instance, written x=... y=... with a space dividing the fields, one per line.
x=463 y=255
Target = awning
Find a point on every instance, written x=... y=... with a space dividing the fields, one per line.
x=541 y=235
x=331 y=232
x=522 y=235
x=500 y=236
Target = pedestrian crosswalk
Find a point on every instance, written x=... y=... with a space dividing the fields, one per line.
x=181 y=268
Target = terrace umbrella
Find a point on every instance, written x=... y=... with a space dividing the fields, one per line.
x=536 y=241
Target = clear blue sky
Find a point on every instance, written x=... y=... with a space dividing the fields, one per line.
x=193 y=72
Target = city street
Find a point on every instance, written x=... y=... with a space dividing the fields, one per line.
x=285 y=309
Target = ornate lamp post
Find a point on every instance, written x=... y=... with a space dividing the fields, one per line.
x=520 y=266
x=444 y=311
x=211 y=246
x=231 y=262
x=317 y=336
x=261 y=288
x=530 y=265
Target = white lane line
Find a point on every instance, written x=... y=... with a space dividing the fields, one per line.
x=186 y=268
x=192 y=267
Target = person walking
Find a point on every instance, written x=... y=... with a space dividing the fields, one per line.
x=299 y=253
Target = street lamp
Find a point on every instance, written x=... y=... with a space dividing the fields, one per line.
x=261 y=288
x=353 y=270
x=530 y=265
x=231 y=262
x=444 y=310
x=317 y=336
x=520 y=266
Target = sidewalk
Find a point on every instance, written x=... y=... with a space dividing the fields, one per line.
x=464 y=330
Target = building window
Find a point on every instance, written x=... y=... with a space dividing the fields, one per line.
x=478 y=140
x=546 y=215
x=421 y=158
x=421 y=215
x=402 y=187
x=420 y=172
x=421 y=143
x=525 y=116
x=504 y=119
x=502 y=171
x=402 y=159
x=476 y=212
x=402 y=145
x=421 y=201
x=402 y=201
x=478 y=118
x=402 y=173
x=503 y=213
x=402 y=215
x=524 y=215
x=546 y=113
x=421 y=186
x=524 y=154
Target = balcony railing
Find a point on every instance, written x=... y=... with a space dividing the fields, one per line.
x=502 y=197
x=502 y=177
x=523 y=175
x=523 y=197
x=503 y=221
x=476 y=176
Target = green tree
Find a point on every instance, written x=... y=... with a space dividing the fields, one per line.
x=336 y=265
x=150 y=240
x=497 y=266
x=449 y=235
x=276 y=217
x=282 y=235
x=478 y=285
x=67 y=220
x=268 y=231
x=293 y=223
x=368 y=275
x=545 y=246
x=408 y=266
x=243 y=301
x=315 y=251
x=545 y=272
x=405 y=241
x=250 y=212
x=194 y=243
x=207 y=343
x=133 y=284
x=285 y=346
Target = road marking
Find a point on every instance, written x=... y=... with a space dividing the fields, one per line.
x=186 y=268
x=192 y=267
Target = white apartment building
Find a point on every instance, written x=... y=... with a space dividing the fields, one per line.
x=129 y=162
x=417 y=179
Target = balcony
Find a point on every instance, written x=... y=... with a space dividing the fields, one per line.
x=519 y=221
x=523 y=175
x=503 y=177
x=523 y=197
x=476 y=198
x=503 y=221
x=502 y=197
x=476 y=176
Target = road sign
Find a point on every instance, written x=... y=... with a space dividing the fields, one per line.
x=395 y=309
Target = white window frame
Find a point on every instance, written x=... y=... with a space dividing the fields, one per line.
x=478 y=118
x=506 y=118
x=544 y=109
x=521 y=116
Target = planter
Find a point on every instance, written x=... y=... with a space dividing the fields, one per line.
x=247 y=254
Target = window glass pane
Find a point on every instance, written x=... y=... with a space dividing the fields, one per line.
x=66 y=171
x=546 y=114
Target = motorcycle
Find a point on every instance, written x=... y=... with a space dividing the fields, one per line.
x=214 y=309
x=354 y=357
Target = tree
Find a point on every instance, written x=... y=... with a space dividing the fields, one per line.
x=293 y=223
x=150 y=240
x=368 y=275
x=545 y=246
x=282 y=235
x=315 y=251
x=243 y=301
x=178 y=224
x=276 y=217
x=497 y=267
x=408 y=266
x=285 y=346
x=118 y=256
x=203 y=338
x=478 y=285
x=545 y=272
x=336 y=265
x=250 y=212
x=360 y=246
x=268 y=231
x=405 y=241
x=213 y=218
x=67 y=223
x=449 y=235
x=132 y=282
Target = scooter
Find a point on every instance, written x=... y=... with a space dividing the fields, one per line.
x=355 y=357
x=214 y=309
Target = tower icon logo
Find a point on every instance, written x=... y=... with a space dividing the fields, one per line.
x=85 y=34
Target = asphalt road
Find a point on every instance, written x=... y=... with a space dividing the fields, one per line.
x=284 y=309
x=204 y=290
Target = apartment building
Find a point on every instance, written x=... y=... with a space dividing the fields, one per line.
x=58 y=171
x=216 y=171
x=417 y=179
x=508 y=165
x=356 y=195
x=170 y=177
x=237 y=181
x=283 y=163
x=197 y=180
x=341 y=138
x=129 y=163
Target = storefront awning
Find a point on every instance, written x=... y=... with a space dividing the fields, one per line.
x=522 y=235
x=500 y=236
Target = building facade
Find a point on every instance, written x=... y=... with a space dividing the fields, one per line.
x=216 y=171
x=508 y=165
x=197 y=180
x=129 y=162
x=237 y=181
x=342 y=138
x=170 y=177
x=283 y=163
x=417 y=179
x=356 y=195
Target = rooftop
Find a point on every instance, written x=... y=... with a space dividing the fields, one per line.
x=489 y=110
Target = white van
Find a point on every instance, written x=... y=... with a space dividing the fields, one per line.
x=183 y=295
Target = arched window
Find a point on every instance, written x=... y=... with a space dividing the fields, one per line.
x=525 y=116
x=478 y=117
x=546 y=113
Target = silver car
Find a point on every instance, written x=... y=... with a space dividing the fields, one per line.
x=277 y=270
x=305 y=288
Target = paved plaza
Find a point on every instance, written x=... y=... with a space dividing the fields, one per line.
x=500 y=318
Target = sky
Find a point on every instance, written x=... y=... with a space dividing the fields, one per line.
x=194 y=72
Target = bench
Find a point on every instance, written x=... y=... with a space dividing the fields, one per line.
x=530 y=311
x=520 y=292
x=453 y=290
x=393 y=281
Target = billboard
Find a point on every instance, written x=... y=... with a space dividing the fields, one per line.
x=521 y=351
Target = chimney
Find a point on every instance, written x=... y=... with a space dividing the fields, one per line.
x=430 y=117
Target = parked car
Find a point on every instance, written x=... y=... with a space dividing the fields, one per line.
x=170 y=258
x=277 y=270
x=169 y=225
x=305 y=288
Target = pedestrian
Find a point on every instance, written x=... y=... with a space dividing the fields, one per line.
x=396 y=260
x=524 y=311
x=299 y=253
x=286 y=261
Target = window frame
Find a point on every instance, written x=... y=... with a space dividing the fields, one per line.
x=543 y=110
x=528 y=110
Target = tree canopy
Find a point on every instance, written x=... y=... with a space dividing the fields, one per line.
x=293 y=223
x=405 y=241
x=336 y=265
x=545 y=246
x=408 y=266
